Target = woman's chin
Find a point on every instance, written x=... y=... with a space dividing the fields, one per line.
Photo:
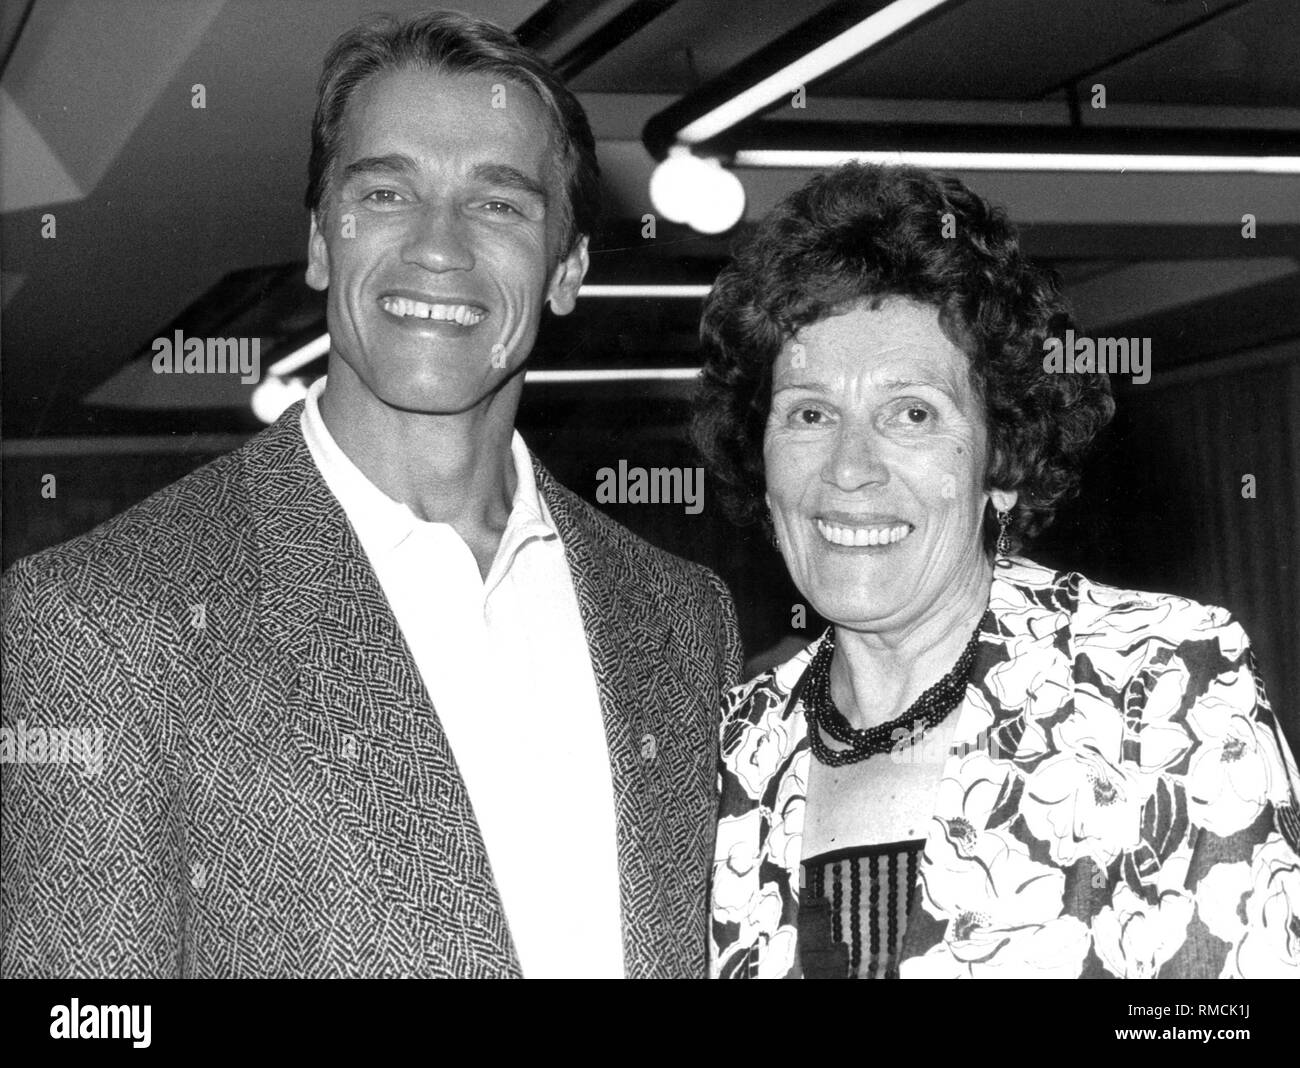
x=861 y=604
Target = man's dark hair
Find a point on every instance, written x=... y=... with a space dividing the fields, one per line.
x=453 y=43
x=862 y=234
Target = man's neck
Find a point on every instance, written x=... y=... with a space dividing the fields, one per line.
x=456 y=469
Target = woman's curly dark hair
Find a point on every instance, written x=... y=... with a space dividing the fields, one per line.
x=868 y=233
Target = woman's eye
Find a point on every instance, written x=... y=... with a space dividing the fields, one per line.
x=916 y=415
x=382 y=196
x=808 y=416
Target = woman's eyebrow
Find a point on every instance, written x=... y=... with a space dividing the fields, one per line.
x=815 y=387
x=933 y=382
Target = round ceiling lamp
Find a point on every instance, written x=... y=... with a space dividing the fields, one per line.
x=698 y=192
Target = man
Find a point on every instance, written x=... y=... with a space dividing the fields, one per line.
x=381 y=698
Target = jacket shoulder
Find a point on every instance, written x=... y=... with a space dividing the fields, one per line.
x=1163 y=617
x=646 y=563
x=192 y=530
x=1040 y=599
x=693 y=602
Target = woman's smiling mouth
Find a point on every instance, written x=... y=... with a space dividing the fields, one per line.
x=856 y=537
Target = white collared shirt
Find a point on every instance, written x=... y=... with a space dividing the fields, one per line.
x=506 y=665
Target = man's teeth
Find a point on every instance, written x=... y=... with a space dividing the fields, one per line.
x=463 y=314
x=856 y=536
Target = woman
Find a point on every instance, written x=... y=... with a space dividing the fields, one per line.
x=983 y=768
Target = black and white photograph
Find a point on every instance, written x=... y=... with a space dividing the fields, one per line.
x=651 y=489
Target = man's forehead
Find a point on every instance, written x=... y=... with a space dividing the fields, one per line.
x=426 y=100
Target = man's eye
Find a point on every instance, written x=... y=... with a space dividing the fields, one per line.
x=383 y=196
x=500 y=207
x=808 y=417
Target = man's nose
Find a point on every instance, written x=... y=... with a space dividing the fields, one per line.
x=856 y=459
x=438 y=240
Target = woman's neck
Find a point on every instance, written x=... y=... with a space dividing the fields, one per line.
x=876 y=675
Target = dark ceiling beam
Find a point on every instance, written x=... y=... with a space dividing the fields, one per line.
x=660 y=131
x=1062 y=242
x=1067 y=84
x=12 y=24
x=574 y=34
x=804 y=135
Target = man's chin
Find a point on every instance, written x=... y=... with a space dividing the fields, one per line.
x=441 y=397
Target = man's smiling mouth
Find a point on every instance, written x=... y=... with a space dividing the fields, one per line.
x=406 y=308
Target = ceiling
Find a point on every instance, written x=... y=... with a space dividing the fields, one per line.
x=168 y=216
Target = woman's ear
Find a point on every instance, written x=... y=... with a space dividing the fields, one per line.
x=1004 y=500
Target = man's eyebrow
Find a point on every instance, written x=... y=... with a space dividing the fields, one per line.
x=394 y=163
x=508 y=177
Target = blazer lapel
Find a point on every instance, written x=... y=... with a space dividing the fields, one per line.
x=1031 y=614
x=625 y=636
x=362 y=720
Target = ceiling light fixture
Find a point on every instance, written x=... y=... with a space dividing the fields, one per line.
x=1022 y=161
x=625 y=291
x=622 y=374
x=698 y=192
x=808 y=68
x=319 y=346
x=273 y=395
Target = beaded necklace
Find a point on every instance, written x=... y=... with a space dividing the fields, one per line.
x=926 y=712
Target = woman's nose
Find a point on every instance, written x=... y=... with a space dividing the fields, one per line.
x=856 y=460
x=438 y=241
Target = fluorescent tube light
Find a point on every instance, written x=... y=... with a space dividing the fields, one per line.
x=867 y=33
x=1024 y=161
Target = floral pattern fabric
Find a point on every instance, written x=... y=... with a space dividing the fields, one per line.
x=1118 y=802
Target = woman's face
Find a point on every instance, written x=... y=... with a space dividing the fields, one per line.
x=875 y=453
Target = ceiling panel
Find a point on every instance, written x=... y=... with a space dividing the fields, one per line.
x=694 y=42
x=1249 y=57
x=1011 y=49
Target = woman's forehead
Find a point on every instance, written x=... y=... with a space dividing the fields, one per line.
x=897 y=344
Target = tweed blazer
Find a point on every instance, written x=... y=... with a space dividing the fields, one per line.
x=277 y=797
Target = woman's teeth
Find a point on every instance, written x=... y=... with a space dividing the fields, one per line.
x=856 y=536
x=464 y=314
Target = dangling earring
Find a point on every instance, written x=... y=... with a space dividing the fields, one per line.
x=1004 y=539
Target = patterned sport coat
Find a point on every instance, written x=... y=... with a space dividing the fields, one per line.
x=277 y=797
x=1118 y=802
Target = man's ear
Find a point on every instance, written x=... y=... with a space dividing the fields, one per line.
x=567 y=278
x=318 y=257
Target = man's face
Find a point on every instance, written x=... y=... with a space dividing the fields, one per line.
x=439 y=238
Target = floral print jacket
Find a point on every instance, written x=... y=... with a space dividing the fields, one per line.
x=1119 y=802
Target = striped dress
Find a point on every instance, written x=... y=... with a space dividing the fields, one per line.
x=853 y=908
